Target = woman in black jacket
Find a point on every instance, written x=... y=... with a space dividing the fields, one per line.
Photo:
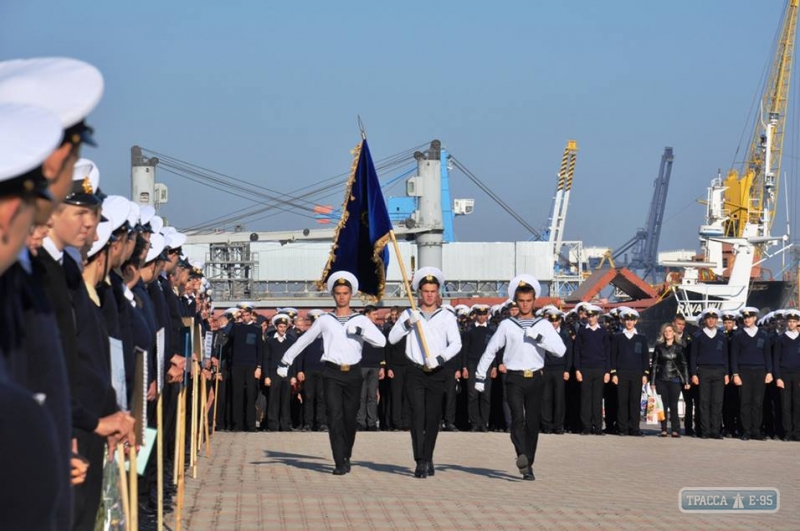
x=668 y=375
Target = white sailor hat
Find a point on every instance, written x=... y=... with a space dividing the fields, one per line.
x=480 y=308
x=616 y=311
x=115 y=209
x=708 y=312
x=553 y=314
x=496 y=308
x=85 y=183
x=291 y=312
x=157 y=223
x=581 y=306
x=313 y=314
x=549 y=308
x=104 y=231
x=461 y=309
x=156 y=248
x=521 y=281
x=791 y=313
x=280 y=318
x=28 y=135
x=342 y=278
x=133 y=214
x=166 y=230
x=729 y=315
x=748 y=311
x=625 y=312
x=592 y=309
x=68 y=87
x=247 y=306
x=174 y=239
x=146 y=213
x=539 y=313
x=427 y=275
x=230 y=312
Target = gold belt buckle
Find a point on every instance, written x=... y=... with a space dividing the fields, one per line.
x=527 y=373
x=344 y=368
x=425 y=368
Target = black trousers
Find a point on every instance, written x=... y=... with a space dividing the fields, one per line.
x=712 y=389
x=223 y=401
x=592 y=399
x=368 y=405
x=478 y=404
x=400 y=414
x=554 y=399
x=730 y=409
x=314 y=400
x=691 y=402
x=342 y=398
x=279 y=415
x=87 y=495
x=773 y=421
x=244 y=388
x=450 y=395
x=751 y=398
x=790 y=403
x=629 y=401
x=525 y=401
x=572 y=392
x=425 y=391
x=669 y=393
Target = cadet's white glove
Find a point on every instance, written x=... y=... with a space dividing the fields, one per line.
x=354 y=330
x=432 y=362
x=283 y=371
x=534 y=334
x=414 y=316
x=480 y=386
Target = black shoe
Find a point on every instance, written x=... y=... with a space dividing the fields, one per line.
x=431 y=470
x=347 y=464
x=622 y=434
x=361 y=428
x=372 y=428
x=522 y=463
x=704 y=436
x=745 y=437
x=483 y=429
x=688 y=432
x=306 y=428
x=757 y=437
x=339 y=471
x=717 y=437
x=450 y=427
x=559 y=431
x=586 y=432
x=599 y=432
x=323 y=428
x=638 y=433
x=421 y=470
x=474 y=429
x=527 y=475
x=547 y=431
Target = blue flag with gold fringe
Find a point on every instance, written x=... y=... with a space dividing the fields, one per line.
x=359 y=243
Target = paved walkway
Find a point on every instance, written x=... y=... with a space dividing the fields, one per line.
x=283 y=481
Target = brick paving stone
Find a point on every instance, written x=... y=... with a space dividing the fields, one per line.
x=255 y=481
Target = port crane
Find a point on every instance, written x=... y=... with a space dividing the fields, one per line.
x=555 y=230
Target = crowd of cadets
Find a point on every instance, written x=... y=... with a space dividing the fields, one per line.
x=595 y=388
x=86 y=281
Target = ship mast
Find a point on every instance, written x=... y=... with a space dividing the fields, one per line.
x=750 y=198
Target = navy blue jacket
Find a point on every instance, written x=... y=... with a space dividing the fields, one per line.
x=630 y=354
x=786 y=352
x=708 y=352
x=751 y=352
x=592 y=349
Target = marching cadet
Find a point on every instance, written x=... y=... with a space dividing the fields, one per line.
x=787 y=374
x=708 y=367
x=556 y=375
x=244 y=342
x=730 y=400
x=310 y=372
x=280 y=387
x=525 y=340
x=475 y=340
x=343 y=334
x=751 y=365
x=34 y=444
x=425 y=379
x=630 y=368
x=592 y=369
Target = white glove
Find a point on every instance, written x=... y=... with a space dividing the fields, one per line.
x=480 y=386
x=414 y=316
x=353 y=329
x=432 y=362
x=534 y=334
x=283 y=372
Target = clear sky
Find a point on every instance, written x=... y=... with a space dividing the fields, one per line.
x=269 y=92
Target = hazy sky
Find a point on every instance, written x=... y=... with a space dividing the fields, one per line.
x=269 y=92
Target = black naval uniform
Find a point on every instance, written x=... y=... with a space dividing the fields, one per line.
x=478 y=404
x=554 y=400
x=787 y=368
x=245 y=345
x=731 y=422
x=592 y=359
x=751 y=360
x=630 y=361
x=280 y=391
x=691 y=396
x=708 y=360
x=372 y=360
x=311 y=365
x=398 y=364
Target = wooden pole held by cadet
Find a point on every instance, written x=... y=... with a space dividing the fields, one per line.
x=198 y=355
x=217 y=376
x=204 y=434
x=123 y=484
x=411 y=300
x=139 y=411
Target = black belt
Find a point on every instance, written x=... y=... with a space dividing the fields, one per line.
x=529 y=373
x=424 y=368
x=342 y=368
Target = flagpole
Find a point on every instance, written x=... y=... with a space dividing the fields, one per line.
x=411 y=301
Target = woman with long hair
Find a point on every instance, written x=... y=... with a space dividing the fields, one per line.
x=668 y=375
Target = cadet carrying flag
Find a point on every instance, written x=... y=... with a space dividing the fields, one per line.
x=359 y=243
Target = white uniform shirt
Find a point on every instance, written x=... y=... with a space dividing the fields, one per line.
x=441 y=335
x=339 y=346
x=522 y=353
